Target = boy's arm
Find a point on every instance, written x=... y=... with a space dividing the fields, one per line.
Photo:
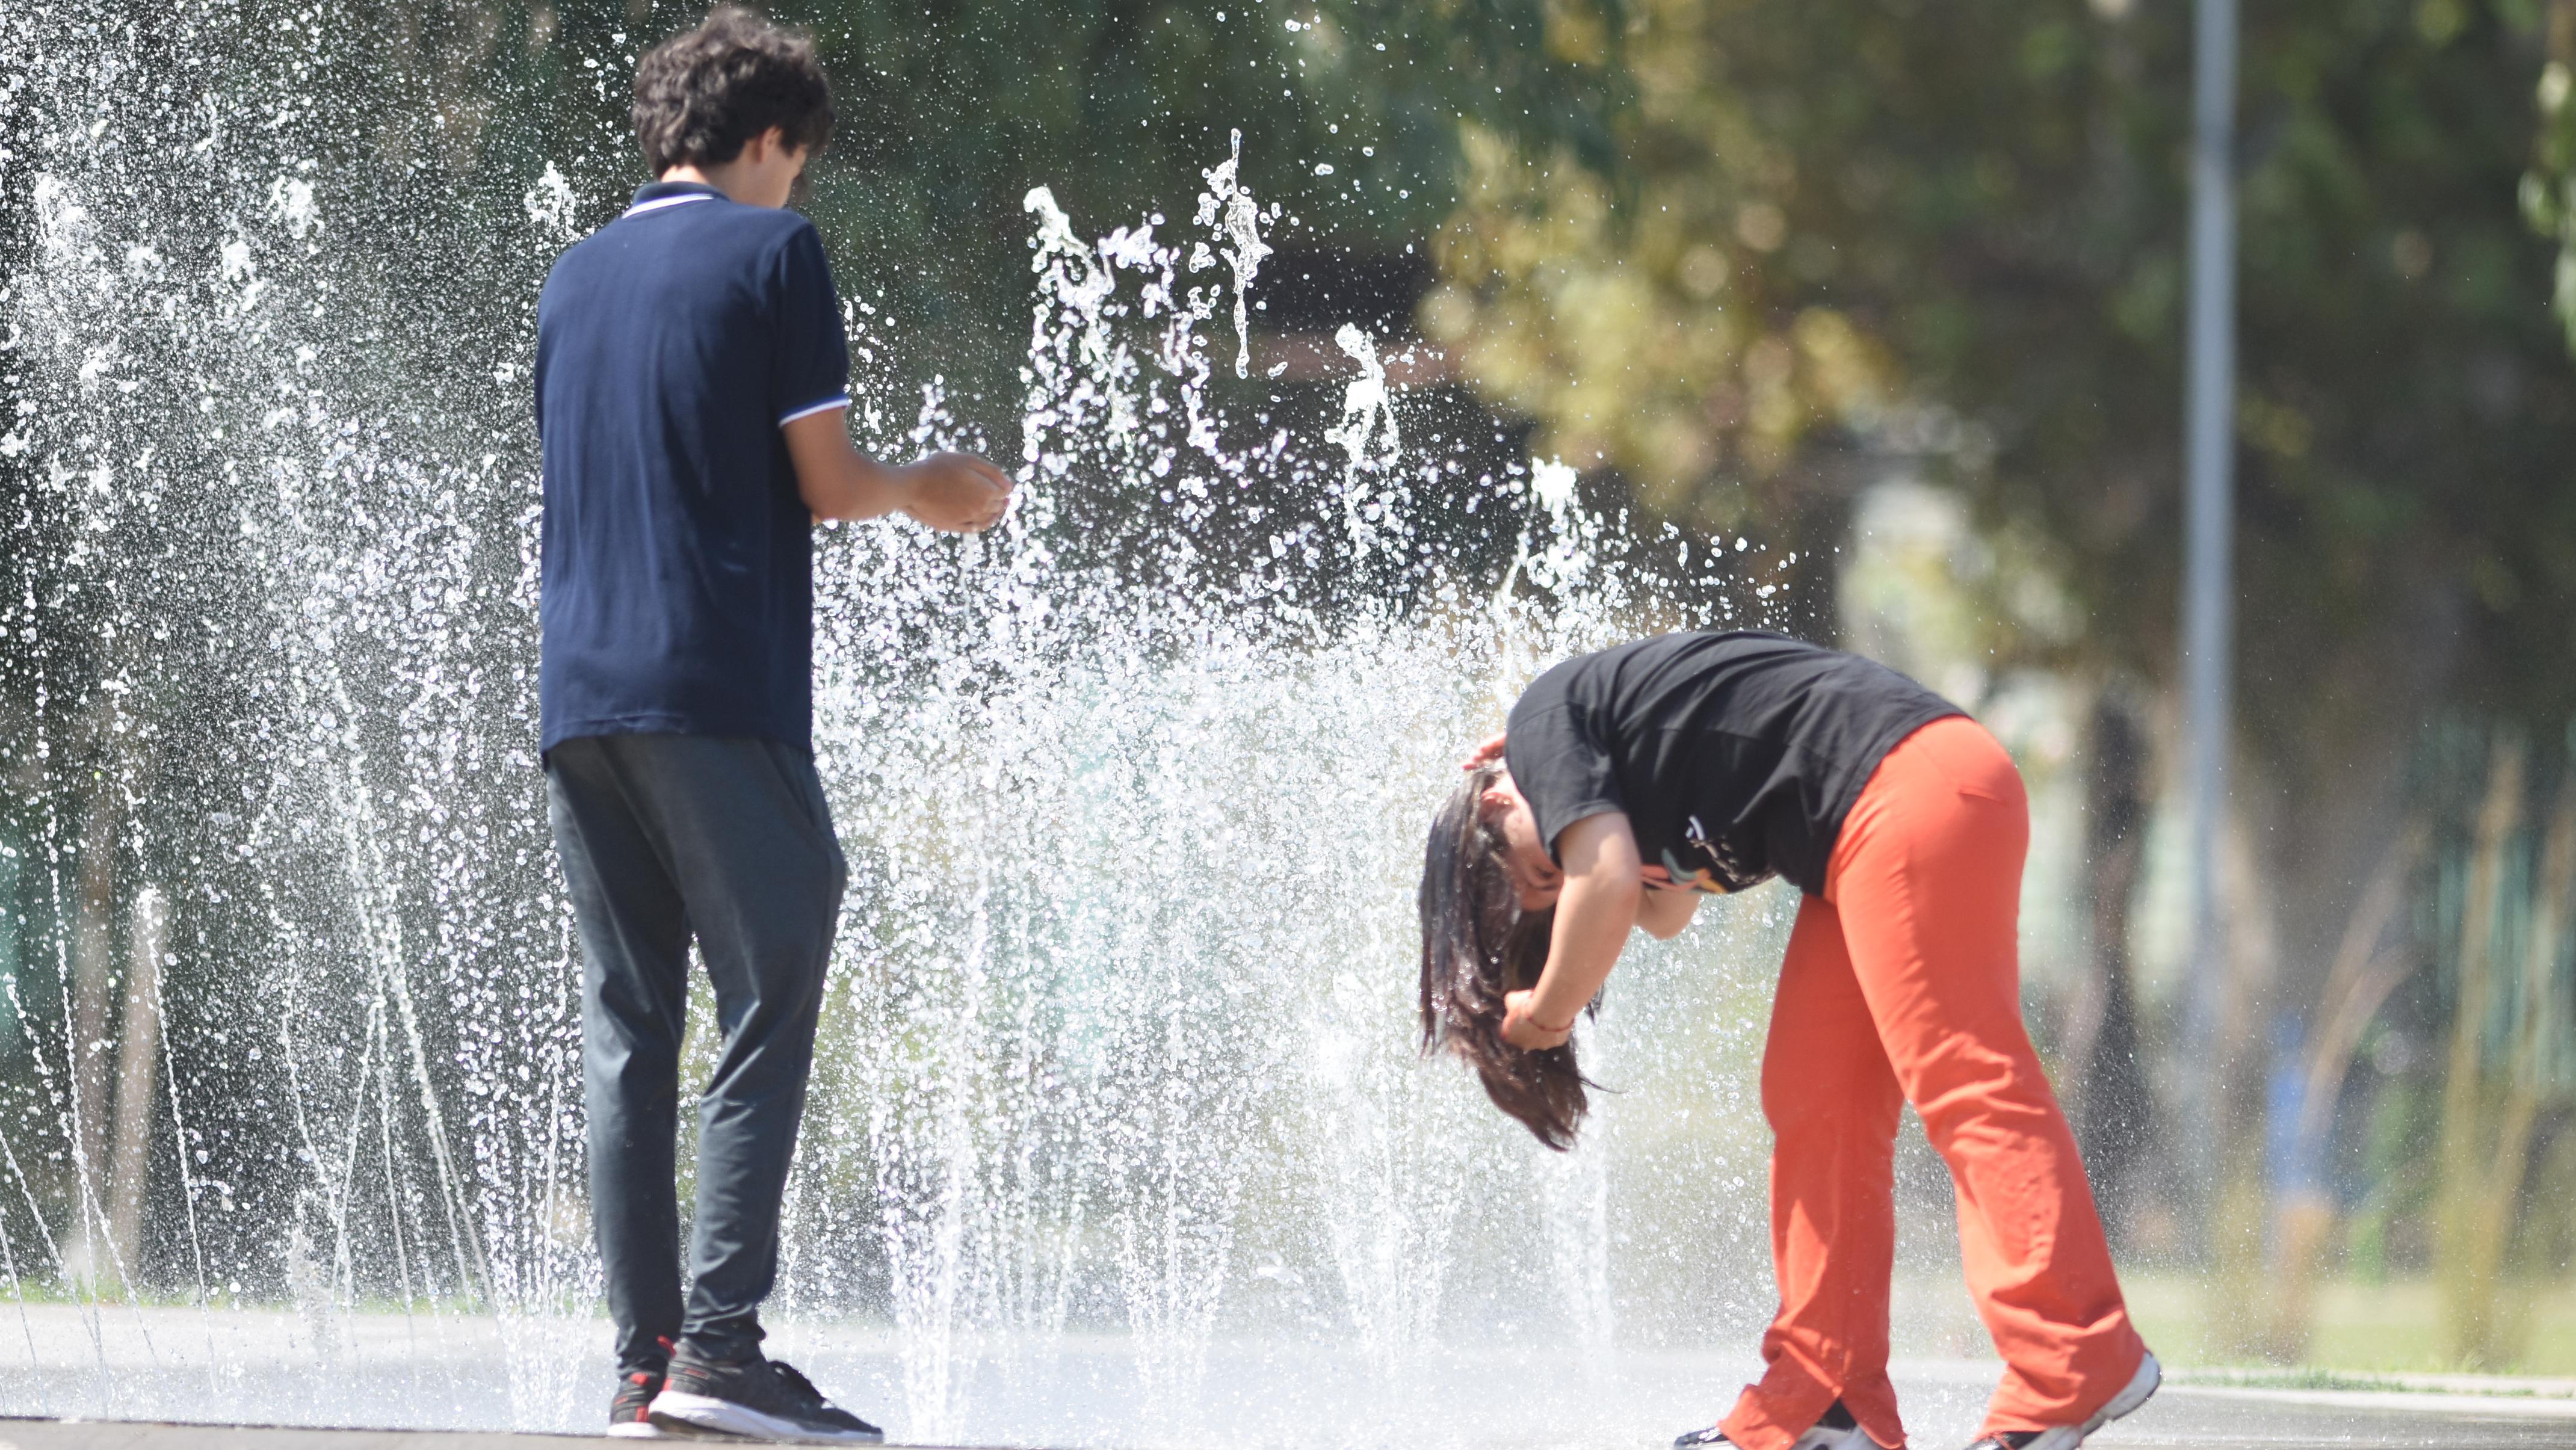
x=954 y=492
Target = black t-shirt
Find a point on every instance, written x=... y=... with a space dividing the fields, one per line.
x=1735 y=756
x=675 y=590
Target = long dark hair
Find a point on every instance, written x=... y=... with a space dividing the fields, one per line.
x=1477 y=944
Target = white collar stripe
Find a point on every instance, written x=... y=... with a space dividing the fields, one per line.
x=659 y=202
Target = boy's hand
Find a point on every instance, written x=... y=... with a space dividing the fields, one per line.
x=1487 y=751
x=956 y=493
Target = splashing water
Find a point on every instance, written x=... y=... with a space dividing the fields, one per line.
x=1118 y=1131
x=1229 y=208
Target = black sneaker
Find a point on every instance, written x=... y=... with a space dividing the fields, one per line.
x=757 y=1399
x=628 y=1413
x=2067 y=1437
x=1834 y=1430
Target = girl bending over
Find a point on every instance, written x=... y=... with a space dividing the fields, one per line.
x=1634 y=781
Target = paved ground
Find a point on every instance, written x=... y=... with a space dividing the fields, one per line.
x=129 y=1373
x=2182 y=1417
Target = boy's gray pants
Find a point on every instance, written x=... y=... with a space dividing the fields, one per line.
x=665 y=837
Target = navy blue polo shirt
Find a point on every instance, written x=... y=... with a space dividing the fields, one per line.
x=676 y=579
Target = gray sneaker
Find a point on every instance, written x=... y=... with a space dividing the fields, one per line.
x=2136 y=1392
x=1834 y=1430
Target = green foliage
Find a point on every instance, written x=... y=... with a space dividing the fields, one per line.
x=2549 y=187
x=1979 y=210
x=2506 y=967
x=1714 y=248
x=1349 y=116
x=1698 y=240
x=951 y=110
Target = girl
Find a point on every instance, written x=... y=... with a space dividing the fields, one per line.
x=1633 y=781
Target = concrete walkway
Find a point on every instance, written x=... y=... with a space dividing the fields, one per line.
x=136 y=1435
x=2181 y=1417
x=130 y=1372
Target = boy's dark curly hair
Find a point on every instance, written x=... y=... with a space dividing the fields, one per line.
x=702 y=94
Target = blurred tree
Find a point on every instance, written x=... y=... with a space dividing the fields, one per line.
x=2109 y=1100
x=1953 y=234
x=1735 y=253
x=433 y=120
x=2549 y=187
x=2502 y=903
x=951 y=110
x=450 y=146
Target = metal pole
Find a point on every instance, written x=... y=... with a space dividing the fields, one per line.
x=2209 y=514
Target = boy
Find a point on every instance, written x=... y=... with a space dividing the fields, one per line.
x=691 y=401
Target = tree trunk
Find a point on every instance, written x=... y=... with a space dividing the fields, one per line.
x=138 y=1080
x=2491 y=1111
x=93 y=999
x=2109 y=1100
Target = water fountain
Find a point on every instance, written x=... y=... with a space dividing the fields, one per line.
x=1119 y=1134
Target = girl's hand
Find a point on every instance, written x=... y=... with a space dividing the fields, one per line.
x=1522 y=1030
x=1595 y=911
x=1489 y=751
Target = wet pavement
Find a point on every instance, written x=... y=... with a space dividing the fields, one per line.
x=152 y=1379
x=2182 y=1417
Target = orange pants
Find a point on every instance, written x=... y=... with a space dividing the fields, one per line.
x=1902 y=984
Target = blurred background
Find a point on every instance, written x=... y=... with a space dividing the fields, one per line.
x=1890 y=291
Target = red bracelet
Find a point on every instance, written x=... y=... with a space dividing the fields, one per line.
x=1543 y=1027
